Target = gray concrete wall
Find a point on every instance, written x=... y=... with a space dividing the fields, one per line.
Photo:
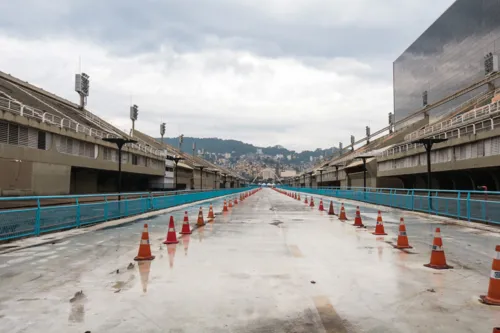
x=356 y=180
x=184 y=177
x=33 y=178
x=51 y=179
x=16 y=177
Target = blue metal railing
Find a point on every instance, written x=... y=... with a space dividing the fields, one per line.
x=42 y=214
x=479 y=206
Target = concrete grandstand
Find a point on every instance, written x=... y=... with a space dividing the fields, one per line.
x=444 y=88
x=49 y=146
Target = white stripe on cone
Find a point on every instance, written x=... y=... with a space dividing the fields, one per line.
x=495 y=275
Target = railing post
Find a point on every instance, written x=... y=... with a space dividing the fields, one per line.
x=106 y=208
x=38 y=218
x=429 y=202
x=78 y=212
x=459 y=204
x=413 y=199
x=468 y=206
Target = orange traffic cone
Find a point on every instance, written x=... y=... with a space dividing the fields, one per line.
x=185 y=225
x=298 y=197
x=342 y=216
x=496 y=330
x=321 y=208
x=210 y=212
x=235 y=201
x=230 y=203
x=305 y=200
x=200 y=222
x=171 y=236
x=379 y=228
x=225 y=207
x=438 y=259
x=493 y=297
x=312 y=202
x=357 y=220
x=402 y=237
x=144 y=247
x=330 y=210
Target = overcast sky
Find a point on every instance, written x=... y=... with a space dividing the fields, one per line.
x=299 y=73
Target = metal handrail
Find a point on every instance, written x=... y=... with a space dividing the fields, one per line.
x=474 y=117
x=67 y=123
x=455 y=121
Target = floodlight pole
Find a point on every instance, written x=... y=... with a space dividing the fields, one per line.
x=428 y=143
x=120 y=142
x=364 y=158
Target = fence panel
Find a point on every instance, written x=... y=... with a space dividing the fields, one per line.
x=456 y=204
x=57 y=218
x=93 y=213
x=17 y=223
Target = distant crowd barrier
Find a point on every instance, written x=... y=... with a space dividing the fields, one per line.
x=482 y=206
x=36 y=215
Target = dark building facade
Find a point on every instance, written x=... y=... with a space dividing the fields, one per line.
x=446 y=58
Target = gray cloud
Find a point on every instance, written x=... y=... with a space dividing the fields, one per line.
x=131 y=27
x=301 y=73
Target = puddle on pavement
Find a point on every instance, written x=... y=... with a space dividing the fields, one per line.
x=77 y=307
x=295 y=251
x=123 y=284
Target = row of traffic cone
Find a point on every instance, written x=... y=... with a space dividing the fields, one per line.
x=171 y=238
x=438 y=259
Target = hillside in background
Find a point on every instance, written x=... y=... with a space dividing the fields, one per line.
x=238 y=148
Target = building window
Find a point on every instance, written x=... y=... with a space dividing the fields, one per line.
x=14 y=134
x=42 y=143
x=134 y=159
x=67 y=145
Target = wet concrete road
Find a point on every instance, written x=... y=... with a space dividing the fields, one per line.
x=272 y=264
